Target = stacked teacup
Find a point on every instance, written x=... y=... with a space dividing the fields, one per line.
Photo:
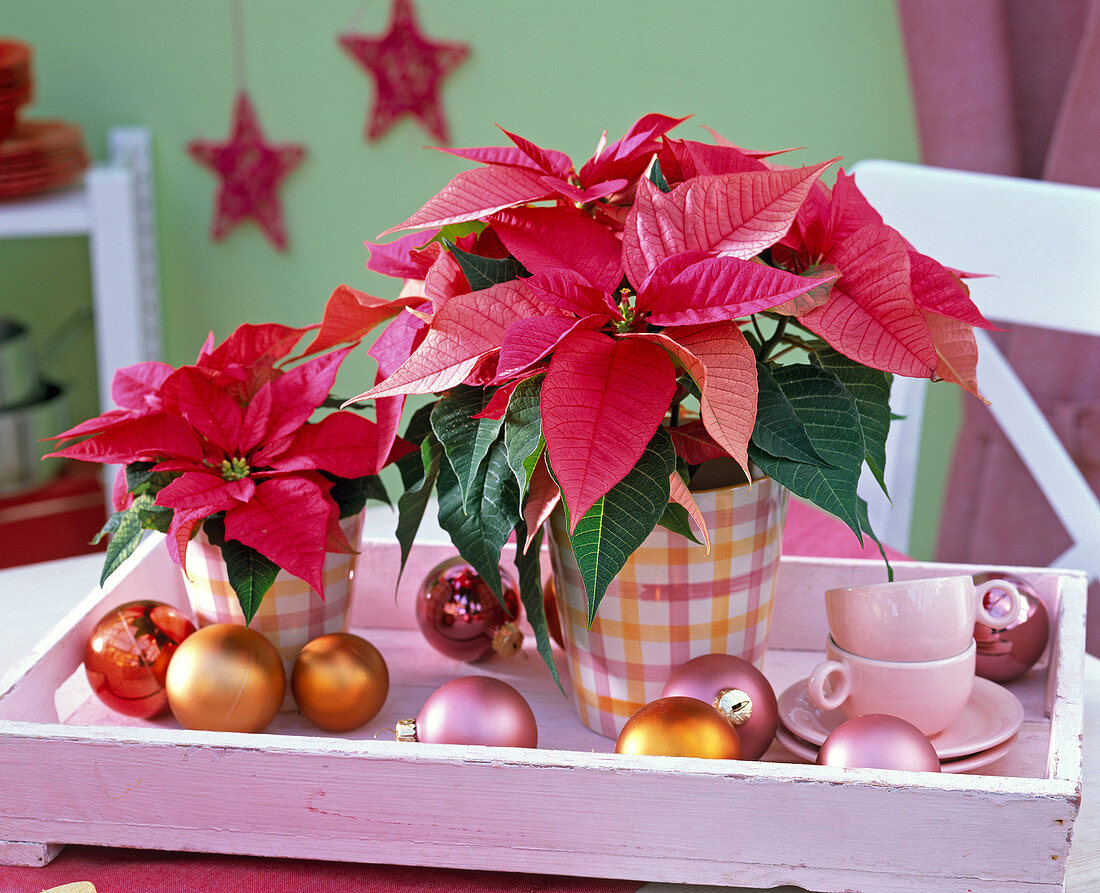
x=905 y=649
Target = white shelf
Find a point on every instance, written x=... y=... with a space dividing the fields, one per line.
x=113 y=207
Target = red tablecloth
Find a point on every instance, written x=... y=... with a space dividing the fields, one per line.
x=808 y=532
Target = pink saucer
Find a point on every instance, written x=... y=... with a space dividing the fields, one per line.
x=991 y=716
x=808 y=752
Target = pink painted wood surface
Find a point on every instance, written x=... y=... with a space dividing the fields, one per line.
x=569 y=806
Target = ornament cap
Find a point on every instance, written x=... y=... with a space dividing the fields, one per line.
x=406 y=730
x=734 y=704
x=507 y=639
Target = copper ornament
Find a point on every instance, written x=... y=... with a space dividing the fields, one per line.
x=679 y=727
x=340 y=681
x=226 y=678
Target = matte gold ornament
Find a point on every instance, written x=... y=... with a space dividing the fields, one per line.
x=226 y=678
x=340 y=681
x=680 y=727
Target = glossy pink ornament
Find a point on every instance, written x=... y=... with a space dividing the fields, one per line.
x=127 y=653
x=460 y=616
x=473 y=710
x=738 y=690
x=1006 y=654
x=878 y=741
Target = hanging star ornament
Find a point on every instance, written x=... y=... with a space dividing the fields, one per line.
x=407 y=69
x=251 y=171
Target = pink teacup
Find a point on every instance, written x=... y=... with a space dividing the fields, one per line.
x=914 y=620
x=929 y=694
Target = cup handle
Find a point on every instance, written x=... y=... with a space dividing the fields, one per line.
x=1016 y=605
x=841 y=686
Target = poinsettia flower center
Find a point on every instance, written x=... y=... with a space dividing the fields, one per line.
x=235 y=469
x=626 y=310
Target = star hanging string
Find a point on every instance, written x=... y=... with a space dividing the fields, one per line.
x=251 y=171
x=407 y=69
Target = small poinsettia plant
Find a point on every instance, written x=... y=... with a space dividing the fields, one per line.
x=596 y=335
x=227 y=445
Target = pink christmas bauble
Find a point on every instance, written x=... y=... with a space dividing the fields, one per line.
x=477 y=710
x=878 y=741
x=461 y=617
x=738 y=690
x=1006 y=654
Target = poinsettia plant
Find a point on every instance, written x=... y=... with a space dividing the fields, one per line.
x=596 y=335
x=227 y=445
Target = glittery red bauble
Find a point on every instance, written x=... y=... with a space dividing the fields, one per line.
x=477 y=710
x=738 y=690
x=126 y=656
x=461 y=618
x=878 y=741
x=1006 y=654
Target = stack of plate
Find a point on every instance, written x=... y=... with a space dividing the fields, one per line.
x=983 y=733
x=34 y=155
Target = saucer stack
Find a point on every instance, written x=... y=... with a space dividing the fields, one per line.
x=907 y=650
x=34 y=155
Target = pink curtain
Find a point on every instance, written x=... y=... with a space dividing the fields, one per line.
x=1013 y=87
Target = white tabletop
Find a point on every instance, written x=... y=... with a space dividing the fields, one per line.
x=26 y=620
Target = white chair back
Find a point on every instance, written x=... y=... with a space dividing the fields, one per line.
x=1041 y=242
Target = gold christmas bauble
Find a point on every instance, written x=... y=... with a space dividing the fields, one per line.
x=340 y=681
x=228 y=678
x=679 y=727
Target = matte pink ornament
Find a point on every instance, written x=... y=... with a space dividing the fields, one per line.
x=474 y=710
x=1006 y=654
x=879 y=741
x=738 y=690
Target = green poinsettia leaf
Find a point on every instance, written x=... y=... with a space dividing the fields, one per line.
x=156 y=517
x=126 y=534
x=617 y=524
x=828 y=413
x=465 y=440
x=482 y=272
x=865 y=523
x=480 y=533
x=351 y=494
x=870 y=388
x=140 y=478
x=530 y=593
x=250 y=574
x=411 y=465
x=523 y=431
x=778 y=430
x=677 y=519
x=414 y=501
x=657 y=178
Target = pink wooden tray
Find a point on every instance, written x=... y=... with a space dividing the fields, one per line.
x=73 y=772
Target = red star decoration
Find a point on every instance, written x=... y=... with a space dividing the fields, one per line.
x=251 y=170
x=407 y=70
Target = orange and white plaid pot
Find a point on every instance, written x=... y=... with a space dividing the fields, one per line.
x=291 y=614
x=671 y=602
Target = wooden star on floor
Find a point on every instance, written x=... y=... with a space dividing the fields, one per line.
x=251 y=171
x=407 y=69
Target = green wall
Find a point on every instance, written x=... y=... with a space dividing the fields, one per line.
x=827 y=76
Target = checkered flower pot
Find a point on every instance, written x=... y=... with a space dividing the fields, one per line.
x=671 y=602
x=290 y=614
